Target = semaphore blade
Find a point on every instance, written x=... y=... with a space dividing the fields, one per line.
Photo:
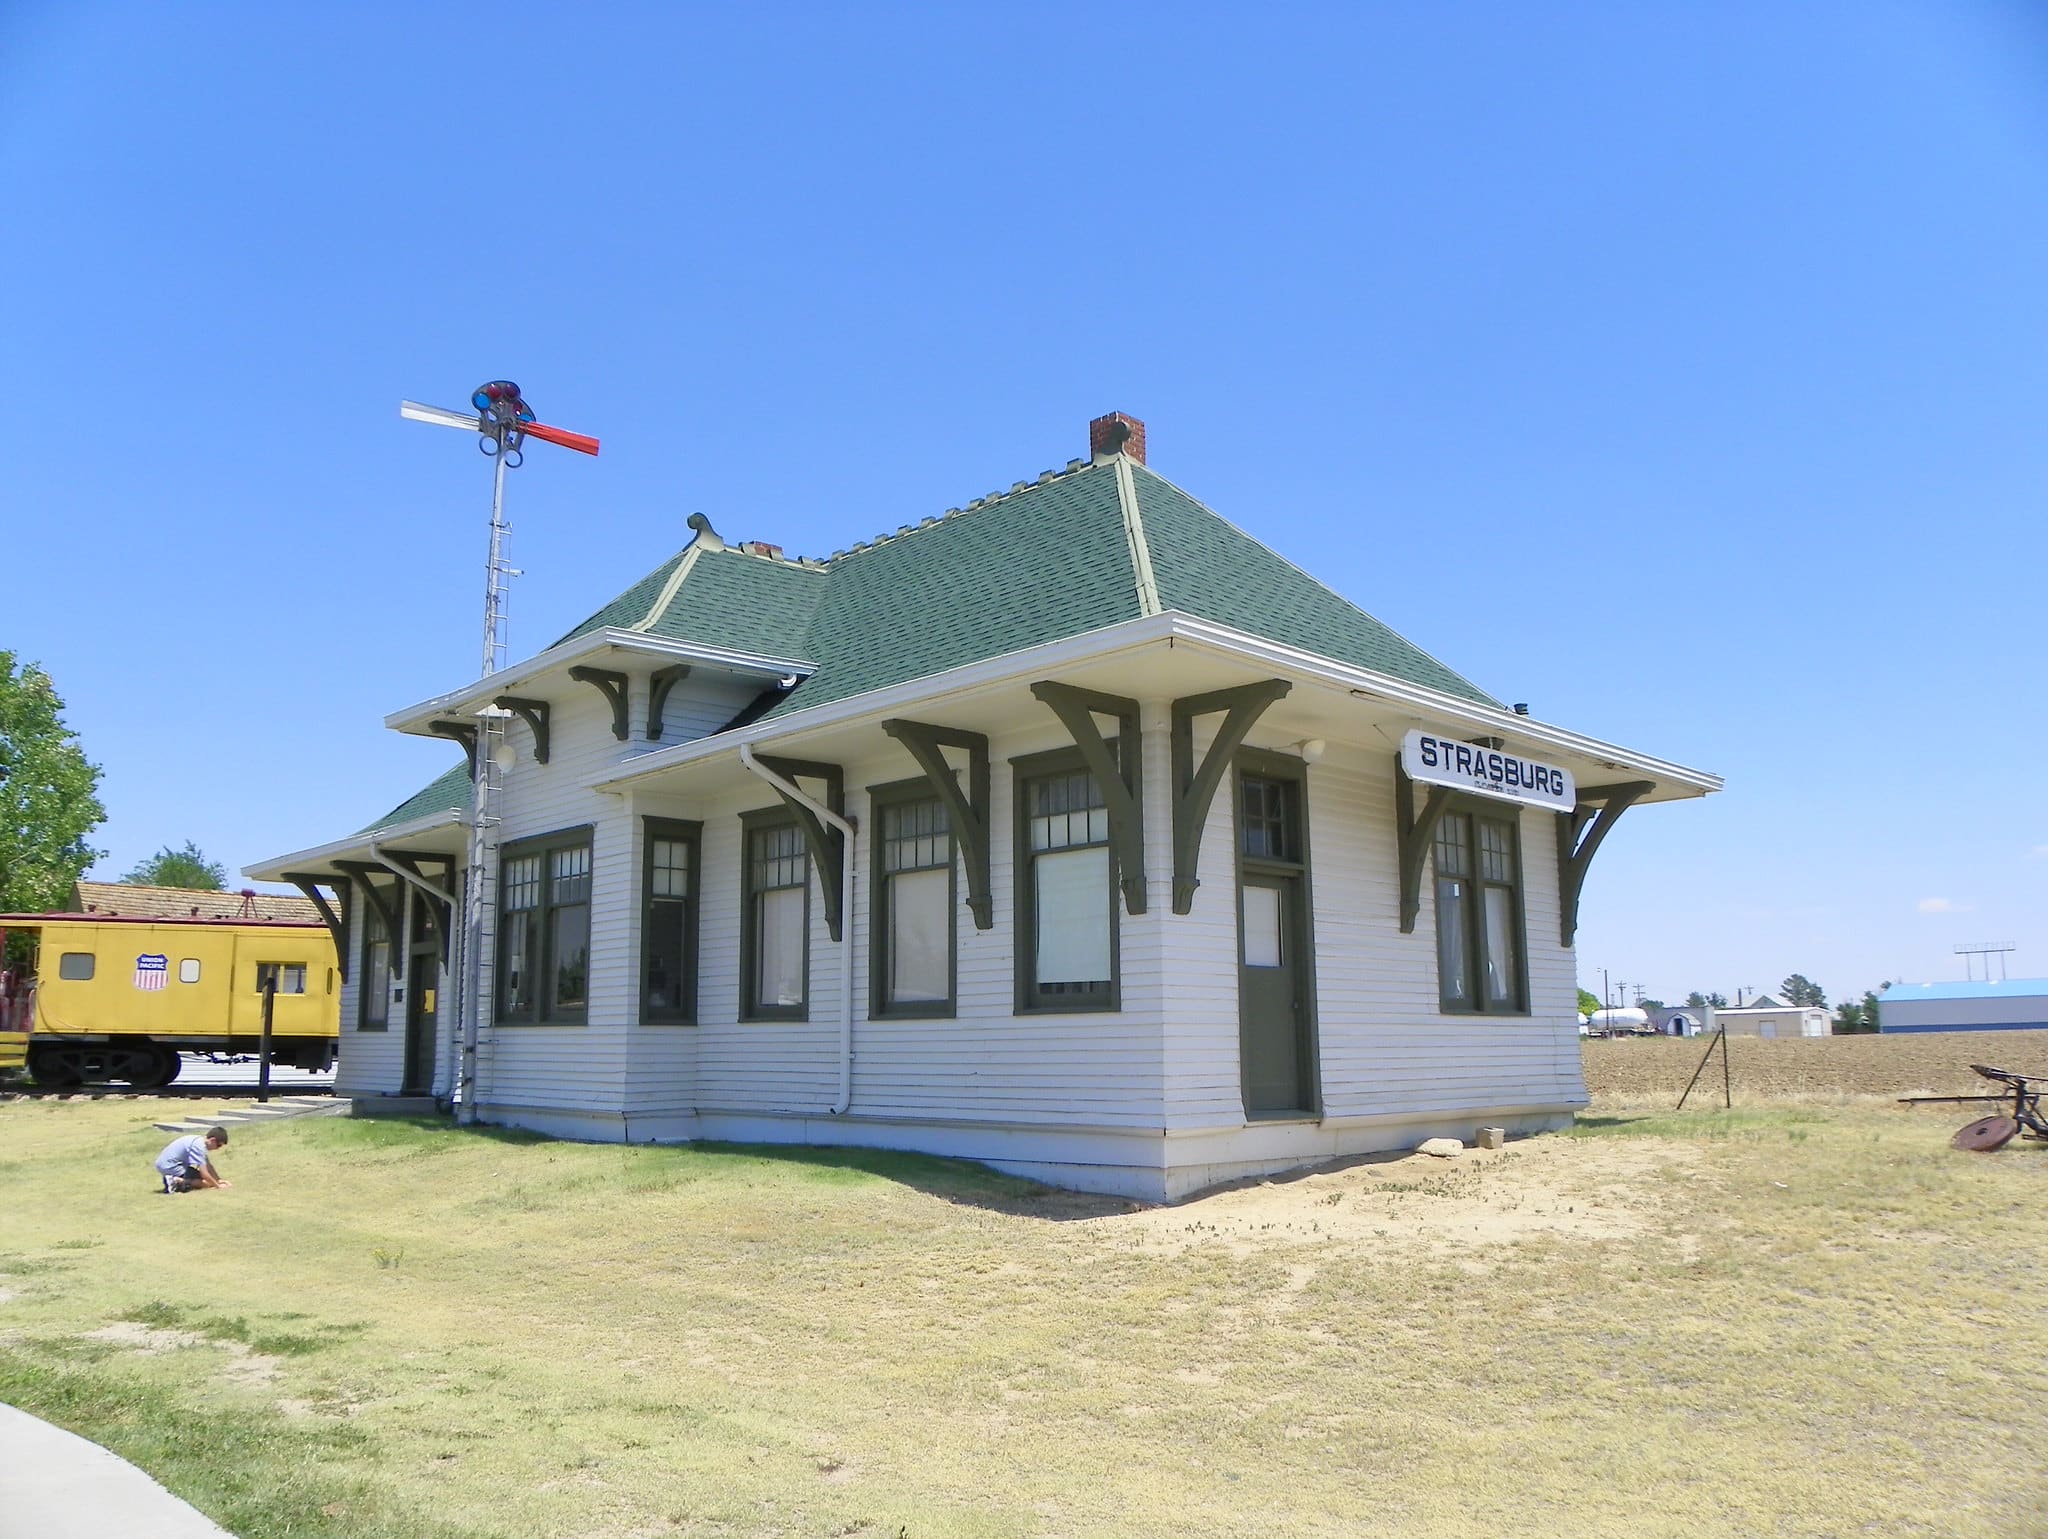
x=440 y=416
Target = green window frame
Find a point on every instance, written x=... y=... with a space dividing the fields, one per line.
x=671 y=859
x=775 y=917
x=543 y=942
x=915 y=906
x=1061 y=835
x=373 y=989
x=1482 y=942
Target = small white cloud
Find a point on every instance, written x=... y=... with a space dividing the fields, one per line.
x=1943 y=906
x=2038 y=852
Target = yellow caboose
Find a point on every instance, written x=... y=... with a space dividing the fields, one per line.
x=109 y=997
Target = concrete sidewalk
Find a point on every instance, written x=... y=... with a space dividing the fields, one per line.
x=56 y=1485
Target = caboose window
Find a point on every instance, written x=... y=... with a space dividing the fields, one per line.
x=289 y=977
x=75 y=966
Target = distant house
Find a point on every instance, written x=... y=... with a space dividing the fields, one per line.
x=1074 y=831
x=2006 y=1004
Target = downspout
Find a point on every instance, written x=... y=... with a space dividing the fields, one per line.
x=827 y=815
x=433 y=895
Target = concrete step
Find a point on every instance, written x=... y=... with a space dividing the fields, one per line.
x=261 y=1111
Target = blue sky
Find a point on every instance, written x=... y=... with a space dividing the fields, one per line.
x=1679 y=370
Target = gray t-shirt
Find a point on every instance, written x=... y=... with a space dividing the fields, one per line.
x=182 y=1154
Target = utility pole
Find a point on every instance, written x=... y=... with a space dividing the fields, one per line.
x=503 y=422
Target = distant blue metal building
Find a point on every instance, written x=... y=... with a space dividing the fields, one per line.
x=2006 y=1004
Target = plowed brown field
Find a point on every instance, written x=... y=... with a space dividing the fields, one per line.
x=1766 y=1069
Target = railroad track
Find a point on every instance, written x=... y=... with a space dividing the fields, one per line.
x=166 y=1093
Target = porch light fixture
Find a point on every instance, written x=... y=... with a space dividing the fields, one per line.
x=1310 y=749
x=504 y=756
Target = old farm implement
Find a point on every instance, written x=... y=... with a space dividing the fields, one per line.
x=2023 y=1112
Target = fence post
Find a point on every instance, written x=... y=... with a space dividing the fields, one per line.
x=263 y=1058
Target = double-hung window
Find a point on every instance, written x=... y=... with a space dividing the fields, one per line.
x=544 y=930
x=1066 y=889
x=373 y=993
x=914 y=904
x=668 y=922
x=1479 y=915
x=775 y=924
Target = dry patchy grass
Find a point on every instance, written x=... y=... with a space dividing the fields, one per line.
x=1800 y=1321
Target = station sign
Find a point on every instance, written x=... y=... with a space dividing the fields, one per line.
x=1442 y=761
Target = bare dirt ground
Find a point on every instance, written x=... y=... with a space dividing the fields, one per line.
x=1628 y=1069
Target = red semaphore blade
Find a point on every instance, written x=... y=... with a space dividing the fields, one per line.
x=582 y=443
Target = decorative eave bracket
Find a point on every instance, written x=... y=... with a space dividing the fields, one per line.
x=463 y=732
x=610 y=683
x=535 y=714
x=1194 y=789
x=1119 y=774
x=364 y=876
x=443 y=885
x=1579 y=833
x=968 y=809
x=827 y=845
x=659 y=683
x=1414 y=833
x=333 y=915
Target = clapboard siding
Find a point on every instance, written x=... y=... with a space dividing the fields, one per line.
x=587 y=1067
x=1385 y=1045
x=369 y=1063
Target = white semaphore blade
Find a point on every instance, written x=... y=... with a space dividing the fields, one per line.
x=440 y=416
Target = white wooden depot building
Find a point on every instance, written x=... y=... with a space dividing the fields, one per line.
x=1073 y=831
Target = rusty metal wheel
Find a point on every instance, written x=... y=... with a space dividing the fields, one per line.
x=1985 y=1135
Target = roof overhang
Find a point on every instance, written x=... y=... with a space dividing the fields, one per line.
x=1173 y=654
x=440 y=833
x=607 y=644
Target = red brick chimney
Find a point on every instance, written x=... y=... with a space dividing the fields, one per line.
x=1116 y=434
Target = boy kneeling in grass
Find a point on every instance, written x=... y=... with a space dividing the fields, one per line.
x=187 y=1163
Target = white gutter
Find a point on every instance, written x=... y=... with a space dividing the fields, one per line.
x=845 y=828
x=609 y=638
x=465 y=1106
x=1133 y=635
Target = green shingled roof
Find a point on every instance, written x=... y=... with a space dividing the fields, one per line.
x=1047 y=561
x=1207 y=566
x=450 y=792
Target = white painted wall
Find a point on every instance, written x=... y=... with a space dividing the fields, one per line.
x=2024 y=1009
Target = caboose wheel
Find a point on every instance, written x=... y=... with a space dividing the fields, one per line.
x=149 y=1066
x=1985 y=1135
x=55 y=1067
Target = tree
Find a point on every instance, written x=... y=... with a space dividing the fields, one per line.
x=1698 y=1001
x=1588 y=1001
x=1645 y=1002
x=48 y=794
x=179 y=868
x=1854 y=1016
x=1803 y=991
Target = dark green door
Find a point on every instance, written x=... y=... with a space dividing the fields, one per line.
x=1269 y=973
x=423 y=1000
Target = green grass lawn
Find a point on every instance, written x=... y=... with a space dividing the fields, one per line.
x=1816 y=1320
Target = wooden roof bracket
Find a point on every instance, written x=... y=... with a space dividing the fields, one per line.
x=535 y=714
x=336 y=919
x=610 y=683
x=444 y=884
x=463 y=732
x=1579 y=833
x=363 y=874
x=659 y=683
x=1118 y=774
x=827 y=845
x=1414 y=833
x=1194 y=789
x=968 y=809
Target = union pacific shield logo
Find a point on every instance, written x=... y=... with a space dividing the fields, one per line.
x=152 y=972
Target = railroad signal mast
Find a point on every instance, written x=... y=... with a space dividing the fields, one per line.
x=503 y=422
